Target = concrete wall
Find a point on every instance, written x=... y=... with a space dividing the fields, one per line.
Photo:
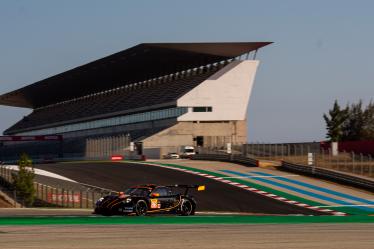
x=153 y=152
x=226 y=91
x=216 y=134
x=106 y=146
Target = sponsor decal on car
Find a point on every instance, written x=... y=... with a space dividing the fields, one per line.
x=127 y=209
x=155 y=204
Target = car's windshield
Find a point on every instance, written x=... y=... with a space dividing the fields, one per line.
x=189 y=150
x=137 y=191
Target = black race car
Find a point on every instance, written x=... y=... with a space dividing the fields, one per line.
x=148 y=199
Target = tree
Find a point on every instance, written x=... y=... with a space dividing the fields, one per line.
x=23 y=180
x=335 y=121
x=353 y=128
x=353 y=123
x=368 y=127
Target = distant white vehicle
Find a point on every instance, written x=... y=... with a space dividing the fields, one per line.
x=172 y=156
x=187 y=151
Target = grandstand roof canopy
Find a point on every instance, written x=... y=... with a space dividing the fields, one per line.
x=141 y=62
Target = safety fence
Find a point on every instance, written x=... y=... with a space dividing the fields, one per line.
x=311 y=154
x=68 y=198
x=84 y=196
x=330 y=175
x=227 y=158
x=278 y=151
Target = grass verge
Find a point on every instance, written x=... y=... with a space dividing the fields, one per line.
x=154 y=220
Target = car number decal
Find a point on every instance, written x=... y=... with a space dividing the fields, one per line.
x=154 y=203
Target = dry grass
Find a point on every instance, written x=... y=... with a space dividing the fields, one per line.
x=343 y=162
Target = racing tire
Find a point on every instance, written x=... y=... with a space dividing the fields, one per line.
x=141 y=208
x=187 y=208
x=107 y=212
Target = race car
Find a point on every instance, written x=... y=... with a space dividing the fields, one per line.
x=148 y=199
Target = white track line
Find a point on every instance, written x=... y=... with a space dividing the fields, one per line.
x=241 y=177
x=42 y=173
x=218 y=213
x=358 y=205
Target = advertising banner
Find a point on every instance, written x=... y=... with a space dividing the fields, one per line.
x=30 y=138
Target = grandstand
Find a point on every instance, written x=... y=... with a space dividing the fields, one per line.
x=159 y=95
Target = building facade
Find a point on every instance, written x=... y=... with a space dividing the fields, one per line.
x=160 y=96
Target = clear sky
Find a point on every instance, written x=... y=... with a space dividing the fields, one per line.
x=322 y=51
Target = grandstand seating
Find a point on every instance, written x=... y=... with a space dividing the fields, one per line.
x=143 y=94
x=135 y=95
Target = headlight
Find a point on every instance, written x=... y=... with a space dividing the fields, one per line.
x=128 y=200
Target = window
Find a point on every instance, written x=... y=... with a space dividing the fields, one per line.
x=200 y=141
x=127 y=119
x=137 y=191
x=161 y=191
x=202 y=109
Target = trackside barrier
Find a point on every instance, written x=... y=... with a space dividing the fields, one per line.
x=332 y=175
x=233 y=158
x=52 y=196
x=67 y=198
x=298 y=153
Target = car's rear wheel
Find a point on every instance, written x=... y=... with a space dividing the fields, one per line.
x=141 y=208
x=187 y=208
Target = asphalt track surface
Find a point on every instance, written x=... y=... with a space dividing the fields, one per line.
x=217 y=197
x=254 y=236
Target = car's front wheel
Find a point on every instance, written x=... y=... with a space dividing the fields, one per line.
x=107 y=212
x=141 y=208
x=187 y=208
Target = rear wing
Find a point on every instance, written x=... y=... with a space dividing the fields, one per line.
x=188 y=187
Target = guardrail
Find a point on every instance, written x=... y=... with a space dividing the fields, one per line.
x=332 y=175
x=54 y=196
x=233 y=158
x=68 y=198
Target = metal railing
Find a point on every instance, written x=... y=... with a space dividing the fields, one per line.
x=215 y=154
x=299 y=153
x=52 y=196
x=329 y=174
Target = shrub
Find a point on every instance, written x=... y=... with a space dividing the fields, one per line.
x=23 y=180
